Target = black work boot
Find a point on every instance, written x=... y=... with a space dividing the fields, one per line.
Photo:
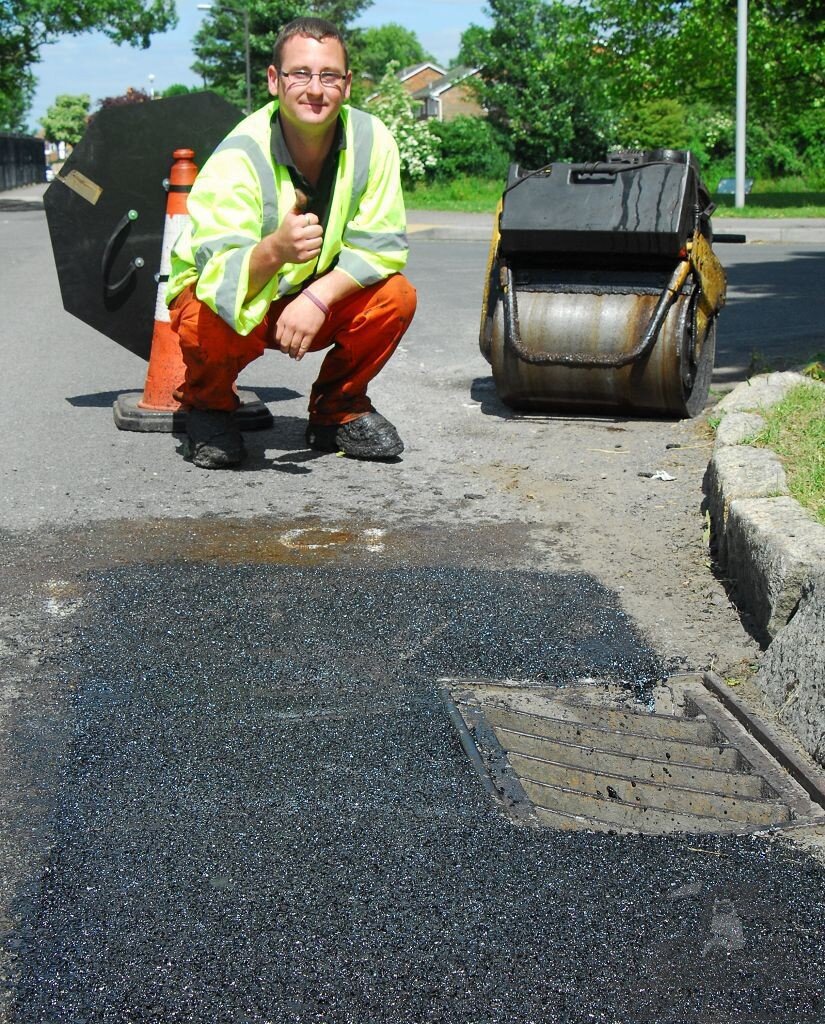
x=214 y=440
x=371 y=436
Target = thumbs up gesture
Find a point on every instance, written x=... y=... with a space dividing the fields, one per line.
x=300 y=235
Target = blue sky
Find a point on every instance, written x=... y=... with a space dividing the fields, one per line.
x=91 y=64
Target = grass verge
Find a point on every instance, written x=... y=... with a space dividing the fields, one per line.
x=773 y=204
x=795 y=430
x=480 y=195
x=464 y=195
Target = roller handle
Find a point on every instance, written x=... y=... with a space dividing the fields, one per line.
x=512 y=328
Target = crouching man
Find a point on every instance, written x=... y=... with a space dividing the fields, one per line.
x=296 y=241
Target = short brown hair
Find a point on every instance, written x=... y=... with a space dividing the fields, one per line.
x=316 y=28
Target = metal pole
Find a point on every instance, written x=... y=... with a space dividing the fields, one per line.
x=248 y=66
x=741 y=97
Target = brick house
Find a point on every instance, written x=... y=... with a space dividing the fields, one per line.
x=418 y=76
x=449 y=96
x=440 y=94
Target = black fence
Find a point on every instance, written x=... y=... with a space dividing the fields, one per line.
x=22 y=160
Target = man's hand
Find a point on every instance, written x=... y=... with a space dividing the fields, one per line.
x=296 y=327
x=297 y=239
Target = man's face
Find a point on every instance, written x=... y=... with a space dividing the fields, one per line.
x=310 y=107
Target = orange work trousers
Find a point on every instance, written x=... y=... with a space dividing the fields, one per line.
x=363 y=329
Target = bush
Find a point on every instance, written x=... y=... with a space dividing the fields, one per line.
x=417 y=145
x=654 y=124
x=469 y=146
x=810 y=133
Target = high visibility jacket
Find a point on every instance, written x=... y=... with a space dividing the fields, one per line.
x=241 y=195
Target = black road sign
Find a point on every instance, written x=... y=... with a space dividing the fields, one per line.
x=106 y=210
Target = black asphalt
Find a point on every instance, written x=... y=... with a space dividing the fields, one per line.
x=261 y=813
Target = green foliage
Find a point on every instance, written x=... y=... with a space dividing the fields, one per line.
x=26 y=25
x=669 y=124
x=176 y=89
x=372 y=49
x=66 y=118
x=220 y=45
x=654 y=50
x=815 y=367
x=16 y=92
x=541 y=81
x=470 y=146
x=417 y=144
x=654 y=124
x=473 y=39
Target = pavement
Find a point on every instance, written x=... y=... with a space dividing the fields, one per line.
x=472 y=227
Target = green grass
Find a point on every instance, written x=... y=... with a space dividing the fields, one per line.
x=795 y=430
x=790 y=197
x=773 y=204
x=465 y=195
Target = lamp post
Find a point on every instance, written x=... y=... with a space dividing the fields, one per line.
x=741 y=98
x=244 y=13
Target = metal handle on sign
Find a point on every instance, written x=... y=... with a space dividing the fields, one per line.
x=110 y=290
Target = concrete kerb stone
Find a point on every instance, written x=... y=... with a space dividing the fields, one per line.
x=792 y=670
x=738 y=471
x=773 y=546
x=774 y=552
x=737 y=427
x=760 y=392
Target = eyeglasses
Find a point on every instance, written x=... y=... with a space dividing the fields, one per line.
x=304 y=77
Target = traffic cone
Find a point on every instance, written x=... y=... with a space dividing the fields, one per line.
x=157 y=410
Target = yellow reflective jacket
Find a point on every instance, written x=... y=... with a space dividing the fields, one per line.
x=240 y=196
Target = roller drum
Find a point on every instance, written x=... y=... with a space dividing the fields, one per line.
x=672 y=379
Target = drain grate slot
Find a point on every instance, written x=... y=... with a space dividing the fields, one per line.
x=592 y=757
x=718 y=779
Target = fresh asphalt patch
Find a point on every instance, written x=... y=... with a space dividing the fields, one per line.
x=262 y=813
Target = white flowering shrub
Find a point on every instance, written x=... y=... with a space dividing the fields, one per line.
x=417 y=144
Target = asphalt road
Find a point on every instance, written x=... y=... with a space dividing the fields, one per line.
x=230 y=791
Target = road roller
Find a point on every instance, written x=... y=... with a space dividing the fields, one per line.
x=602 y=288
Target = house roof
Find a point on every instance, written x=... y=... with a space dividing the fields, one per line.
x=447 y=81
x=406 y=73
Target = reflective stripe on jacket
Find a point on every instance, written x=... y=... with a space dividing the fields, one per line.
x=240 y=196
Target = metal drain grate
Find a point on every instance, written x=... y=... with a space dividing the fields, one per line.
x=591 y=757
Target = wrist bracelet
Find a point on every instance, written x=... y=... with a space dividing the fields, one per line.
x=314 y=299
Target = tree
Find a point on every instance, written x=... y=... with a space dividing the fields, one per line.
x=417 y=145
x=372 y=49
x=220 y=46
x=472 y=39
x=66 y=118
x=177 y=89
x=127 y=98
x=540 y=79
x=26 y=25
x=657 y=49
x=470 y=146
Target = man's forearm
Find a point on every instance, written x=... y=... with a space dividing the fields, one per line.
x=264 y=263
x=334 y=286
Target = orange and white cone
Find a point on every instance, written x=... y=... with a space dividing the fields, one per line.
x=157 y=410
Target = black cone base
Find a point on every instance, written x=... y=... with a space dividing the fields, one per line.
x=252 y=414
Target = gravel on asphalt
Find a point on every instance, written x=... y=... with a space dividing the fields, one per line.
x=263 y=815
